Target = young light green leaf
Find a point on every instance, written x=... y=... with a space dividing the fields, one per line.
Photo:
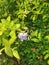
x=17 y=26
x=12 y=40
x=46 y=56
x=35 y=39
x=13 y=37
x=16 y=54
x=1 y=32
x=46 y=51
x=8 y=18
x=48 y=61
x=12 y=33
x=47 y=37
x=34 y=18
x=39 y=36
x=34 y=33
x=8 y=51
x=5 y=42
x=3 y=21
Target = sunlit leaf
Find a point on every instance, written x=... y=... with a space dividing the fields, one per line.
x=35 y=39
x=16 y=54
x=47 y=37
x=17 y=26
x=13 y=37
x=5 y=42
x=8 y=51
x=46 y=56
x=39 y=36
x=1 y=32
x=8 y=18
x=48 y=61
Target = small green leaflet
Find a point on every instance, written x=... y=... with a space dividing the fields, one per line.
x=8 y=51
x=8 y=18
x=48 y=61
x=13 y=37
x=46 y=56
x=16 y=54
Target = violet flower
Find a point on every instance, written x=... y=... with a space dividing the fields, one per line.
x=22 y=36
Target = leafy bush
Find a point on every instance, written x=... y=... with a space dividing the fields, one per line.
x=24 y=31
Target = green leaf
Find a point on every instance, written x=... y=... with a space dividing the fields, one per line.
x=48 y=61
x=39 y=36
x=46 y=51
x=8 y=18
x=12 y=40
x=16 y=54
x=13 y=37
x=46 y=56
x=8 y=51
x=17 y=26
x=5 y=42
x=3 y=21
x=34 y=33
x=12 y=33
x=35 y=39
x=11 y=25
x=44 y=16
x=1 y=50
x=1 y=32
x=34 y=18
x=47 y=37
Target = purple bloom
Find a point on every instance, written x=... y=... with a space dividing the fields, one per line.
x=22 y=36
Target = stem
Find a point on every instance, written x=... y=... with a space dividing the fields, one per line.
x=2 y=49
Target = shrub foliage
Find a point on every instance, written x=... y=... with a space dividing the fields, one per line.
x=25 y=16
